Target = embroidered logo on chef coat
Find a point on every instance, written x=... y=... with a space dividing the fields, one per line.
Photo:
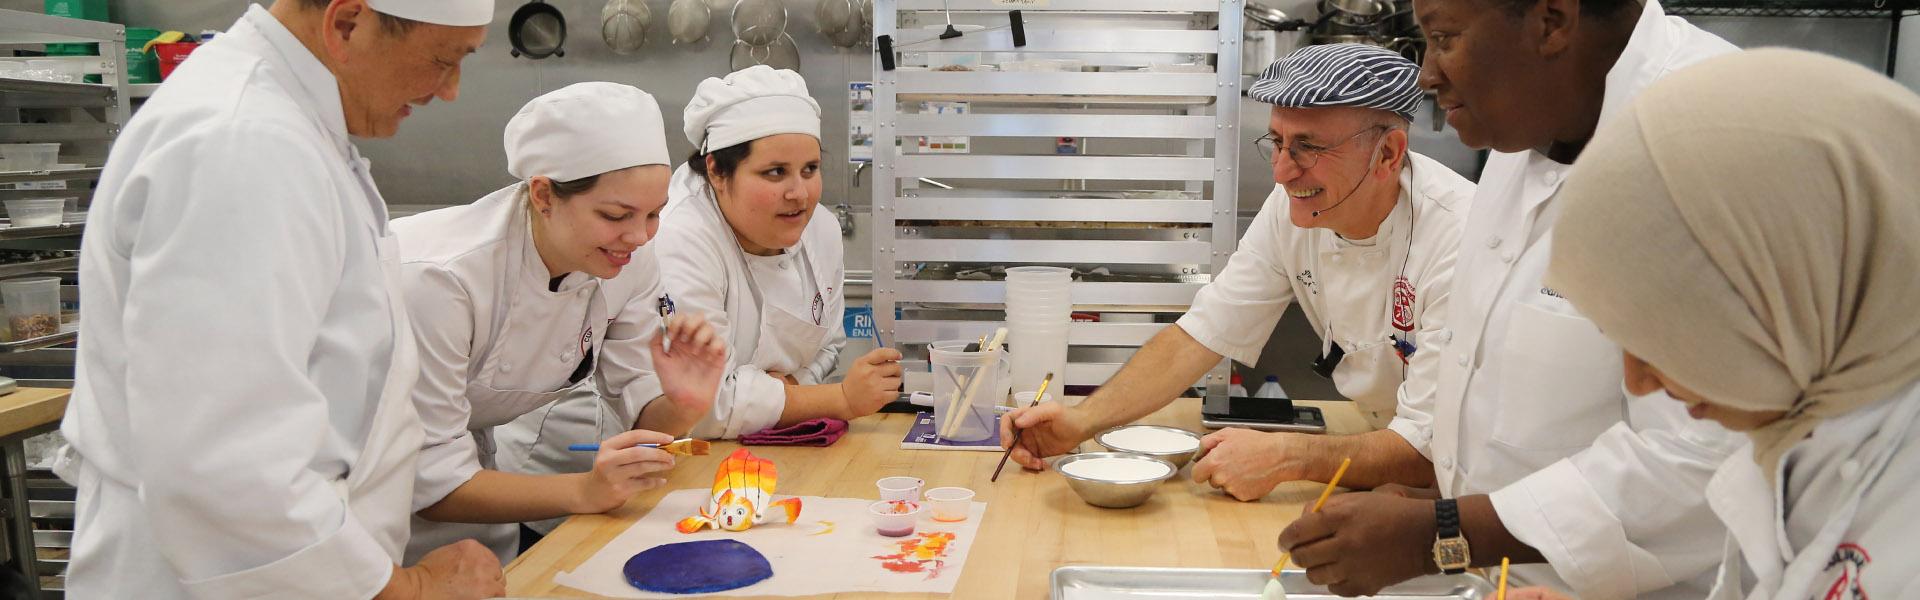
x=1306 y=279
x=820 y=304
x=1547 y=291
x=586 y=340
x=1845 y=569
x=1403 y=298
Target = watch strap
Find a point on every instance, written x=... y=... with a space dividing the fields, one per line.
x=1446 y=514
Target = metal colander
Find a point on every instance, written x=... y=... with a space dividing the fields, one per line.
x=688 y=20
x=623 y=25
x=759 y=22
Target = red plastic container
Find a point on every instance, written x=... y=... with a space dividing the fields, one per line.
x=171 y=55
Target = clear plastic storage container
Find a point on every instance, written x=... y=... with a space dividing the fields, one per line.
x=32 y=306
x=36 y=212
x=29 y=157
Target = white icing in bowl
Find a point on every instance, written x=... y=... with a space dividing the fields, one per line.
x=1150 y=440
x=1115 y=469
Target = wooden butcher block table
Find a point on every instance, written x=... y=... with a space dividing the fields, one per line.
x=1033 y=524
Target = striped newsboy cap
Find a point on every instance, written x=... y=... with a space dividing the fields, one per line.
x=1356 y=75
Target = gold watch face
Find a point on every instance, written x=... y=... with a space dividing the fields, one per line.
x=1451 y=553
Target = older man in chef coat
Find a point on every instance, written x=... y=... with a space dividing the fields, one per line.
x=1360 y=233
x=240 y=422
x=1538 y=451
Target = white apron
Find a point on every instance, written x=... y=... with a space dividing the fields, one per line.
x=788 y=341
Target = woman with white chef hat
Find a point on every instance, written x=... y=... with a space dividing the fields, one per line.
x=1751 y=249
x=523 y=294
x=740 y=242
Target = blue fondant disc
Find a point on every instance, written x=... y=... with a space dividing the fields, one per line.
x=697 y=567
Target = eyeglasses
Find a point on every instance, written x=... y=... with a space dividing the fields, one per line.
x=1304 y=154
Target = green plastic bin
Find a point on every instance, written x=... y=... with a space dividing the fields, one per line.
x=142 y=67
x=91 y=10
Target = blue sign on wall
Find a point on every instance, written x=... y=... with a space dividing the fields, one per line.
x=859 y=322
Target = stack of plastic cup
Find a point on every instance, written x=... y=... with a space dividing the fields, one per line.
x=1039 y=309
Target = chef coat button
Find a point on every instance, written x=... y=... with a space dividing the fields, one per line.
x=1446 y=336
x=506 y=367
x=1849 y=470
x=1463 y=360
x=1507 y=256
x=1493 y=241
x=1550 y=177
x=1446 y=462
x=783 y=265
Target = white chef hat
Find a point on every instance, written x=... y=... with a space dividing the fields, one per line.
x=586 y=129
x=461 y=13
x=750 y=104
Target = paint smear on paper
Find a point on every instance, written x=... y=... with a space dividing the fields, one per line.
x=924 y=553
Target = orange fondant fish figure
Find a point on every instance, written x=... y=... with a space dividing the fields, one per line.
x=742 y=496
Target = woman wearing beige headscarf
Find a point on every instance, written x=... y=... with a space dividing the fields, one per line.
x=1747 y=234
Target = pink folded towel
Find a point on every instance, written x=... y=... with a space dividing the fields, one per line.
x=817 y=432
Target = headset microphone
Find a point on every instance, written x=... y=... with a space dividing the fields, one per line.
x=1343 y=199
x=1356 y=186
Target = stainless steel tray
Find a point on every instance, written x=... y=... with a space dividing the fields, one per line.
x=1127 y=583
x=52 y=538
x=64 y=337
x=50 y=509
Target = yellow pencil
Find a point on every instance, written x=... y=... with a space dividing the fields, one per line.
x=1502 y=595
x=1324 y=494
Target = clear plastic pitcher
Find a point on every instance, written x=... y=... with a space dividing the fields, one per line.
x=966 y=388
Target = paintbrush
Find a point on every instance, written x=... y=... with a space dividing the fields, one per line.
x=680 y=447
x=1016 y=433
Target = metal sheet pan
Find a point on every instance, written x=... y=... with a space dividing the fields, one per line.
x=50 y=538
x=50 y=509
x=1130 y=583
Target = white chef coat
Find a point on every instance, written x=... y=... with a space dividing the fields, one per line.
x=1530 y=407
x=778 y=314
x=696 y=245
x=1347 y=290
x=497 y=343
x=240 y=424
x=1846 y=529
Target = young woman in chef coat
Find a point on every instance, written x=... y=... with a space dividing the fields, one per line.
x=743 y=243
x=1751 y=249
x=523 y=294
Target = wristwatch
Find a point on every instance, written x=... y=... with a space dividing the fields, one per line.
x=1449 y=545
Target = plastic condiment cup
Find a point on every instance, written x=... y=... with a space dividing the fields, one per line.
x=900 y=489
x=950 y=504
x=894 y=518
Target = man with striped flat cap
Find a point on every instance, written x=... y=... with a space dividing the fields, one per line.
x=1361 y=234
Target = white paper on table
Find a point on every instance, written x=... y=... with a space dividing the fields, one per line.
x=803 y=563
